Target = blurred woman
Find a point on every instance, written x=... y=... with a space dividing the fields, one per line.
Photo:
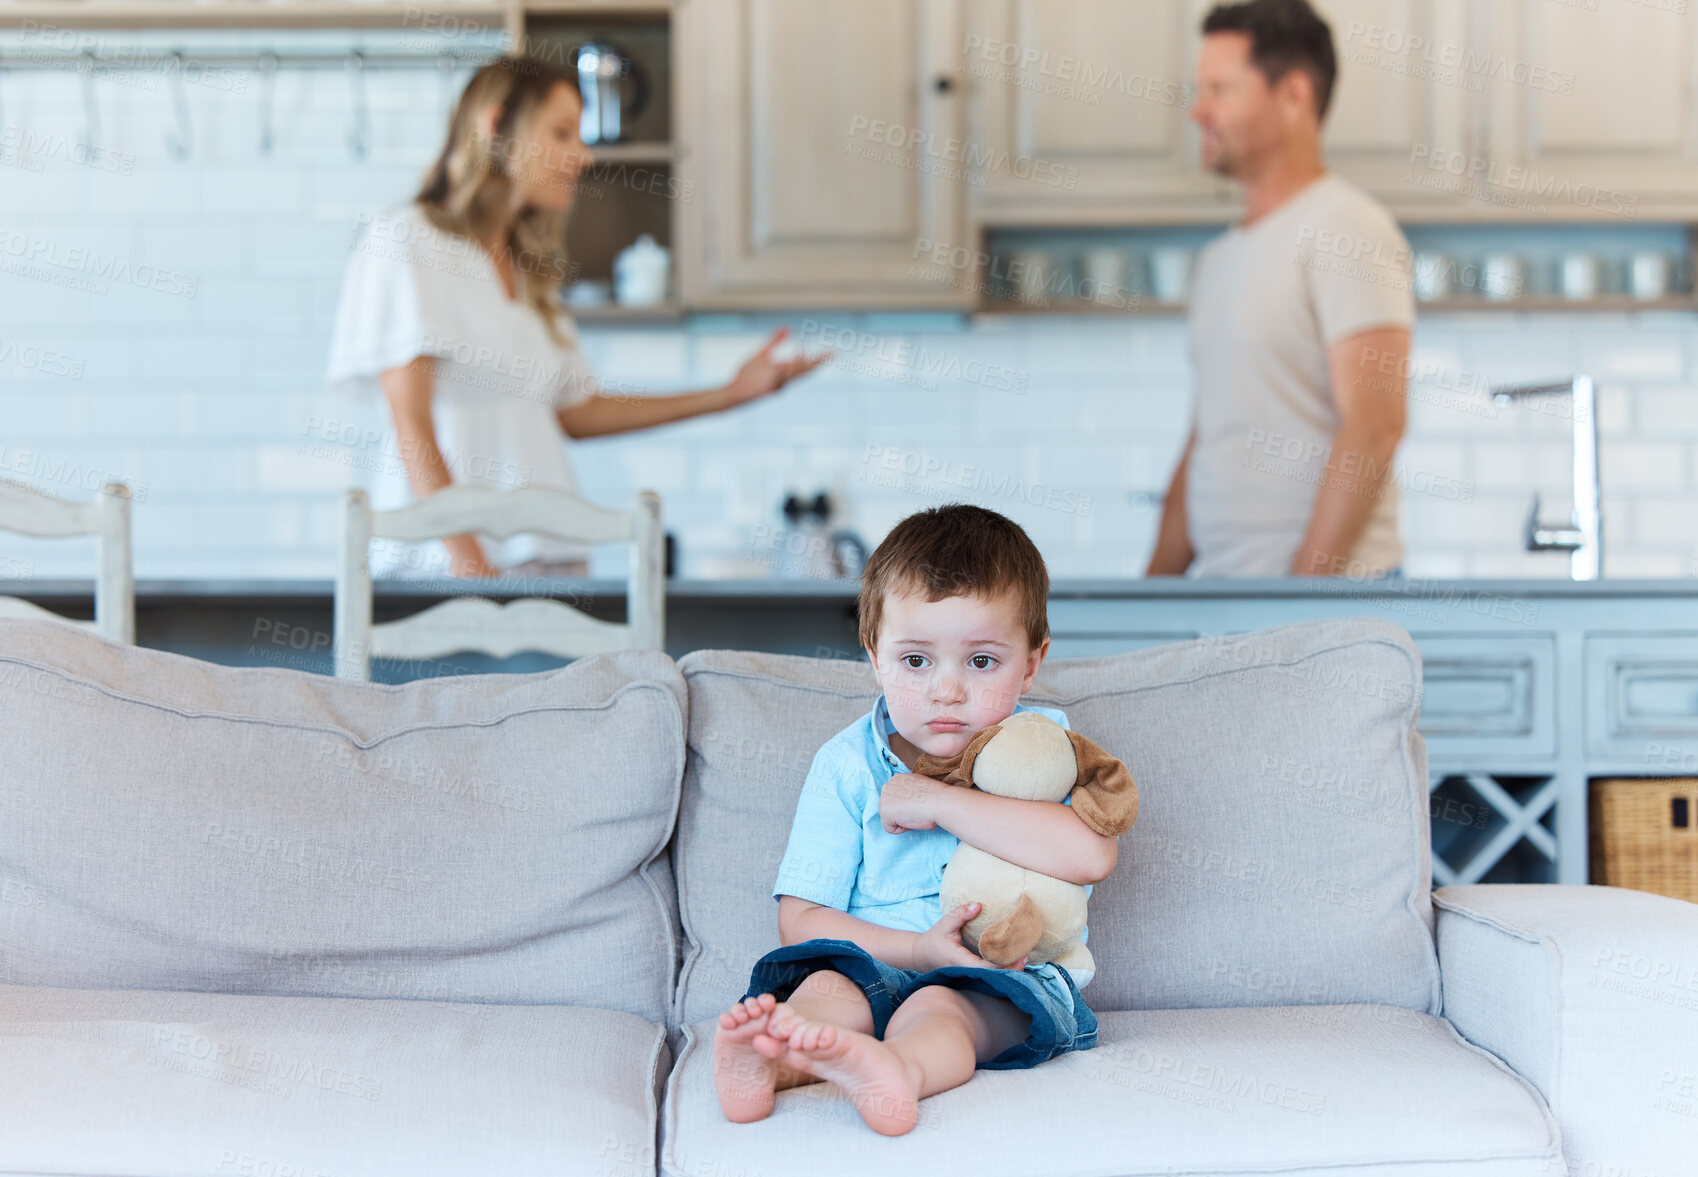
x=451 y=307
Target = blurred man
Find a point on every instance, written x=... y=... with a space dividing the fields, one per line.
x=1300 y=322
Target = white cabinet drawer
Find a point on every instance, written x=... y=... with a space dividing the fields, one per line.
x=1488 y=694
x=1642 y=694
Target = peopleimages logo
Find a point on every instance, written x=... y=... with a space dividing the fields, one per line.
x=923 y=148
x=895 y=358
x=913 y=472
x=1064 y=75
x=1414 y=49
x=27 y=250
x=1496 y=182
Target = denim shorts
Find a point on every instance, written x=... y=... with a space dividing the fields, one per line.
x=1060 y=1021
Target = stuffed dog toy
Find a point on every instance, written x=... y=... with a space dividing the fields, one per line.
x=1031 y=758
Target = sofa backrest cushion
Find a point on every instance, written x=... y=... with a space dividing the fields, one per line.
x=1281 y=854
x=166 y=823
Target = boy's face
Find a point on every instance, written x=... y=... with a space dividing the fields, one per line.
x=951 y=668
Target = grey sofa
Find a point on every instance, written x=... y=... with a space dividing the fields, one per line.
x=264 y=923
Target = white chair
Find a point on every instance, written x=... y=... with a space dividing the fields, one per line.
x=29 y=512
x=478 y=624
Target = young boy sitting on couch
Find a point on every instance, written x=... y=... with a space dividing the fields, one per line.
x=873 y=989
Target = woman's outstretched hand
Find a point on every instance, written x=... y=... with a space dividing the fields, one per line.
x=763 y=375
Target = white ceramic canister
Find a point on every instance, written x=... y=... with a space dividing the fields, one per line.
x=641 y=272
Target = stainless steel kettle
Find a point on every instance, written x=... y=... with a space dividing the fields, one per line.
x=615 y=89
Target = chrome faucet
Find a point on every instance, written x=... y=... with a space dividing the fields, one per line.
x=1583 y=538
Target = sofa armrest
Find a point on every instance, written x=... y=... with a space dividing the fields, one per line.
x=1591 y=994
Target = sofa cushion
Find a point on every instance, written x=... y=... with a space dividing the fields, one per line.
x=146 y=1084
x=1340 y=1090
x=166 y=823
x=1281 y=852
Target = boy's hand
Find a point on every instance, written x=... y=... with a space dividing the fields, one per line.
x=908 y=802
x=941 y=944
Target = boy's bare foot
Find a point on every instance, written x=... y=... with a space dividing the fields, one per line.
x=743 y=1077
x=882 y=1087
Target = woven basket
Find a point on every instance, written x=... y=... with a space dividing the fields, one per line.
x=1645 y=836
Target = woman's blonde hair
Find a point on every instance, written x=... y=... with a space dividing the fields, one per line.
x=470 y=186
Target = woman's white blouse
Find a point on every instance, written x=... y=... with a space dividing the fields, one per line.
x=412 y=290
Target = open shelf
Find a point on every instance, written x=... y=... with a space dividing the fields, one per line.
x=1077 y=306
x=1544 y=304
x=598 y=8
x=1620 y=304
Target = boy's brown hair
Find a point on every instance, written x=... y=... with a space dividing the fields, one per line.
x=957 y=551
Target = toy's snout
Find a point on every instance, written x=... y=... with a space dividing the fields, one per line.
x=1030 y=759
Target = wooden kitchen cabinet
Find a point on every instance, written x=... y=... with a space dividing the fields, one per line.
x=824 y=149
x=1445 y=110
x=1102 y=88
x=1080 y=110
x=1591 y=110
x=1399 y=106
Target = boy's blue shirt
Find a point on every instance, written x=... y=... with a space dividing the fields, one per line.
x=839 y=853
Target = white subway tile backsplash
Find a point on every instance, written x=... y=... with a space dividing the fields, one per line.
x=252 y=305
x=1615 y=410
x=1419 y=462
x=1633 y=354
x=156 y=414
x=307 y=466
x=1666 y=410
x=1665 y=522
x=348 y=195
x=1454 y=404
x=300 y=249
x=1651 y=464
x=201 y=249
x=891 y=414
x=1159 y=348
x=1044 y=411
x=1513 y=563
x=59 y=189
x=811 y=413
x=1078 y=348
x=248 y=194
x=1509 y=465
x=1436 y=563
x=720 y=353
x=162 y=189
x=647 y=359
x=40 y=410
x=1650 y=565
x=1078 y=469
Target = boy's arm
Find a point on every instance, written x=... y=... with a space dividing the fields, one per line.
x=802 y=919
x=1045 y=836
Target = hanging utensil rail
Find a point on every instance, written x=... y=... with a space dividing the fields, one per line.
x=141 y=59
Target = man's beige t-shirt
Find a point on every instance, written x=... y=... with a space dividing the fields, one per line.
x=1268 y=304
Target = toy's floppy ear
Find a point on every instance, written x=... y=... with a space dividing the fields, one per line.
x=956 y=769
x=1105 y=797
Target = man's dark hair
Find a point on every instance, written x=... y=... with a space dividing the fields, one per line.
x=1284 y=35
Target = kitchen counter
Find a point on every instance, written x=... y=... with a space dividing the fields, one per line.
x=1531 y=687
